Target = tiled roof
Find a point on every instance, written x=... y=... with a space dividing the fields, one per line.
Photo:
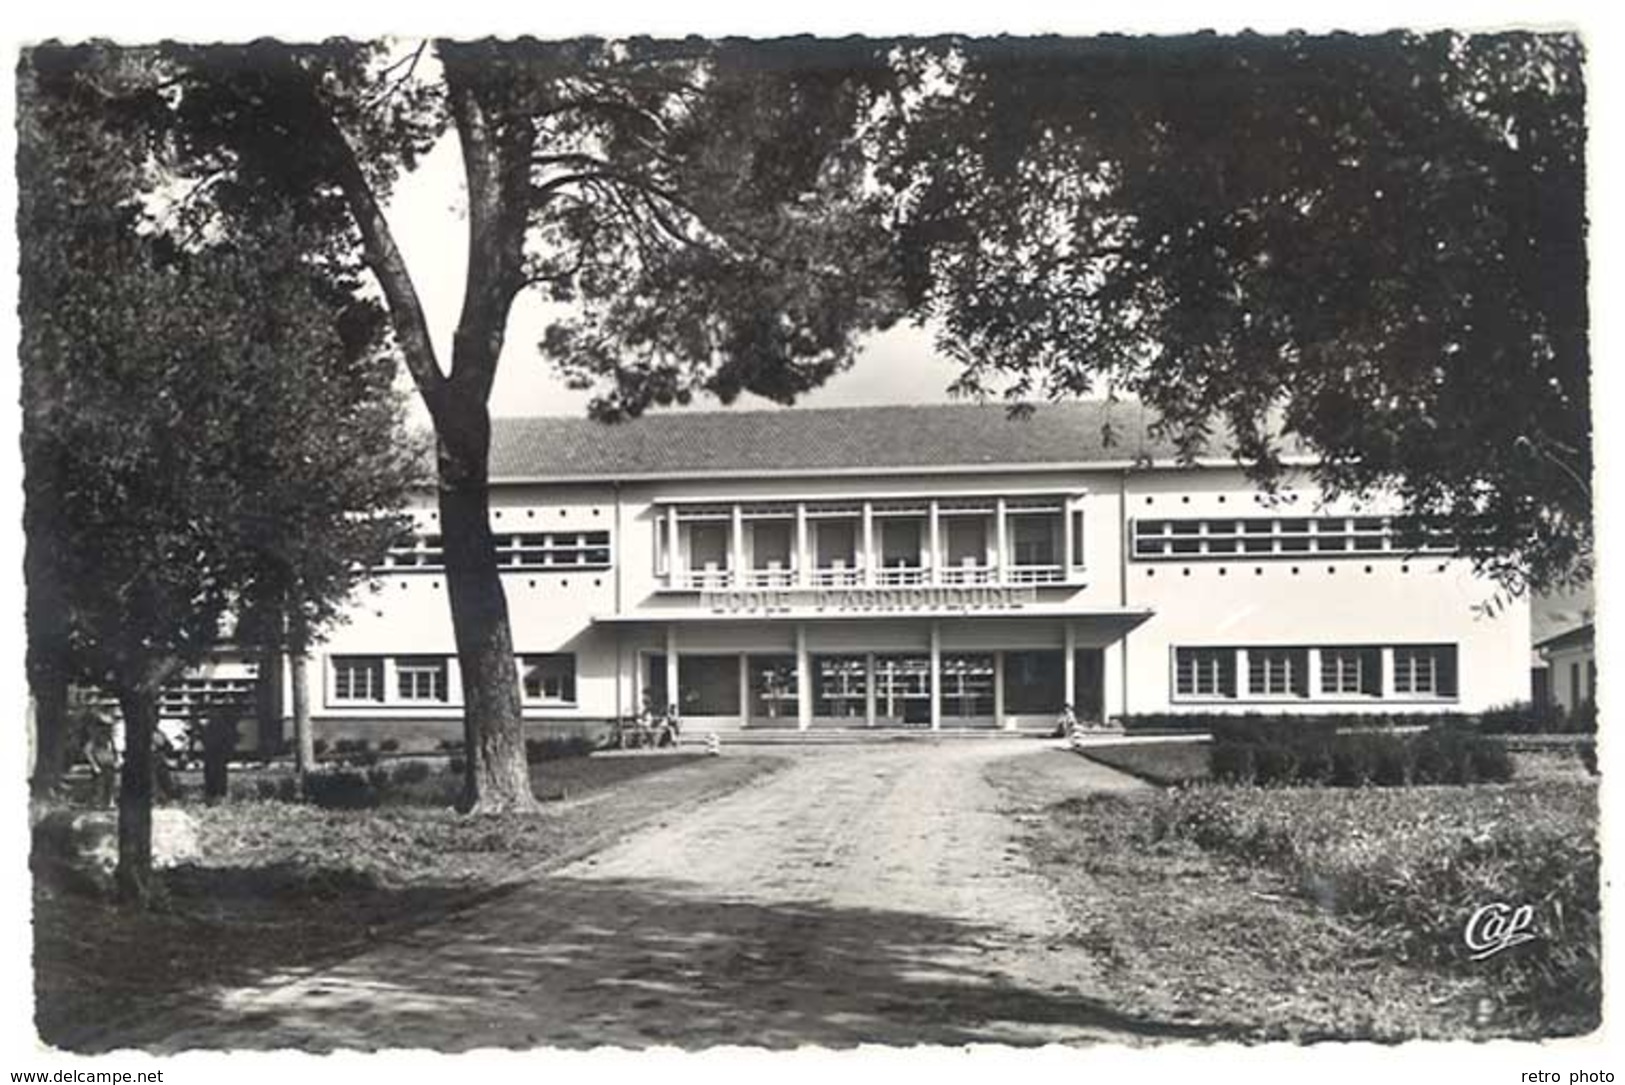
x=824 y=439
x=1584 y=634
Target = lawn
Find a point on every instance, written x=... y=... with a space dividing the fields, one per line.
x=1320 y=913
x=288 y=885
x=1177 y=761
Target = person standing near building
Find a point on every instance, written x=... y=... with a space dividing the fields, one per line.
x=103 y=758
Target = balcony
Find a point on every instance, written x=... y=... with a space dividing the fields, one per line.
x=969 y=572
x=1035 y=574
x=900 y=576
x=837 y=576
x=1024 y=539
x=774 y=576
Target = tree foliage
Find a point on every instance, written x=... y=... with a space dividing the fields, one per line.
x=201 y=423
x=1372 y=245
x=700 y=204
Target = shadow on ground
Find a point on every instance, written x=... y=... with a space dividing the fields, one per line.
x=638 y=963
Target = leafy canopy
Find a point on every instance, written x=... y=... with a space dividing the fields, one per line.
x=1372 y=245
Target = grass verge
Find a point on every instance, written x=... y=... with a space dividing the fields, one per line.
x=1164 y=763
x=287 y=886
x=1320 y=914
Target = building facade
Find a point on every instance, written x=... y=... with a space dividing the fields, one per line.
x=925 y=567
x=1571 y=661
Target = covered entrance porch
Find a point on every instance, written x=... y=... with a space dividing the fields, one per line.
x=982 y=673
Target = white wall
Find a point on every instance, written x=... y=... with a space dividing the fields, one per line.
x=1355 y=599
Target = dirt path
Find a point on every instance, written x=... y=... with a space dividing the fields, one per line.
x=865 y=894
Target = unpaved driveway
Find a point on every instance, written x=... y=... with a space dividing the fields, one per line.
x=864 y=894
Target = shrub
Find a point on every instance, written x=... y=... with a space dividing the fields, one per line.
x=389 y=745
x=1270 y=752
x=456 y=765
x=340 y=790
x=411 y=772
x=451 y=745
x=278 y=789
x=556 y=747
x=1418 y=863
x=1533 y=718
x=320 y=746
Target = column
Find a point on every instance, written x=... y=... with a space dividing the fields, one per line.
x=869 y=689
x=869 y=543
x=804 y=685
x=1311 y=659
x=803 y=558
x=673 y=576
x=998 y=693
x=1001 y=559
x=1243 y=670
x=1113 y=691
x=744 y=690
x=673 y=694
x=934 y=544
x=392 y=683
x=736 y=550
x=1386 y=658
x=1069 y=666
x=1067 y=541
x=936 y=669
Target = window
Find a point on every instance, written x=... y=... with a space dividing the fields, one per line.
x=1034 y=683
x=708 y=685
x=1033 y=540
x=900 y=543
x=708 y=546
x=423 y=552
x=967 y=685
x=1278 y=672
x=1205 y=672
x=358 y=678
x=773 y=688
x=561 y=550
x=550 y=679
x=770 y=544
x=1331 y=535
x=420 y=678
x=1427 y=670
x=194 y=698
x=1351 y=672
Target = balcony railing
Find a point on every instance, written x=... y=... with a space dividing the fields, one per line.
x=709 y=579
x=1035 y=574
x=968 y=574
x=900 y=576
x=837 y=577
x=770 y=578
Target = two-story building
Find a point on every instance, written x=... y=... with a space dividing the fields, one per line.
x=929 y=567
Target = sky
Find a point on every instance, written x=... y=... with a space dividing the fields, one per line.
x=427 y=216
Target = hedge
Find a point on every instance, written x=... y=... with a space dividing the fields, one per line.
x=1276 y=752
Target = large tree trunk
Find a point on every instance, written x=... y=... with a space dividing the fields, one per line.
x=496 y=777
x=496 y=163
x=304 y=742
x=138 y=702
x=268 y=736
x=51 y=739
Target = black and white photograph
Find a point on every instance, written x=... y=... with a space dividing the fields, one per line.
x=1031 y=536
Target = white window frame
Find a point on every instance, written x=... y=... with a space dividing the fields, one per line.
x=1208 y=668
x=344 y=687
x=537 y=660
x=1276 y=669
x=1342 y=672
x=1412 y=679
x=412 y=670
